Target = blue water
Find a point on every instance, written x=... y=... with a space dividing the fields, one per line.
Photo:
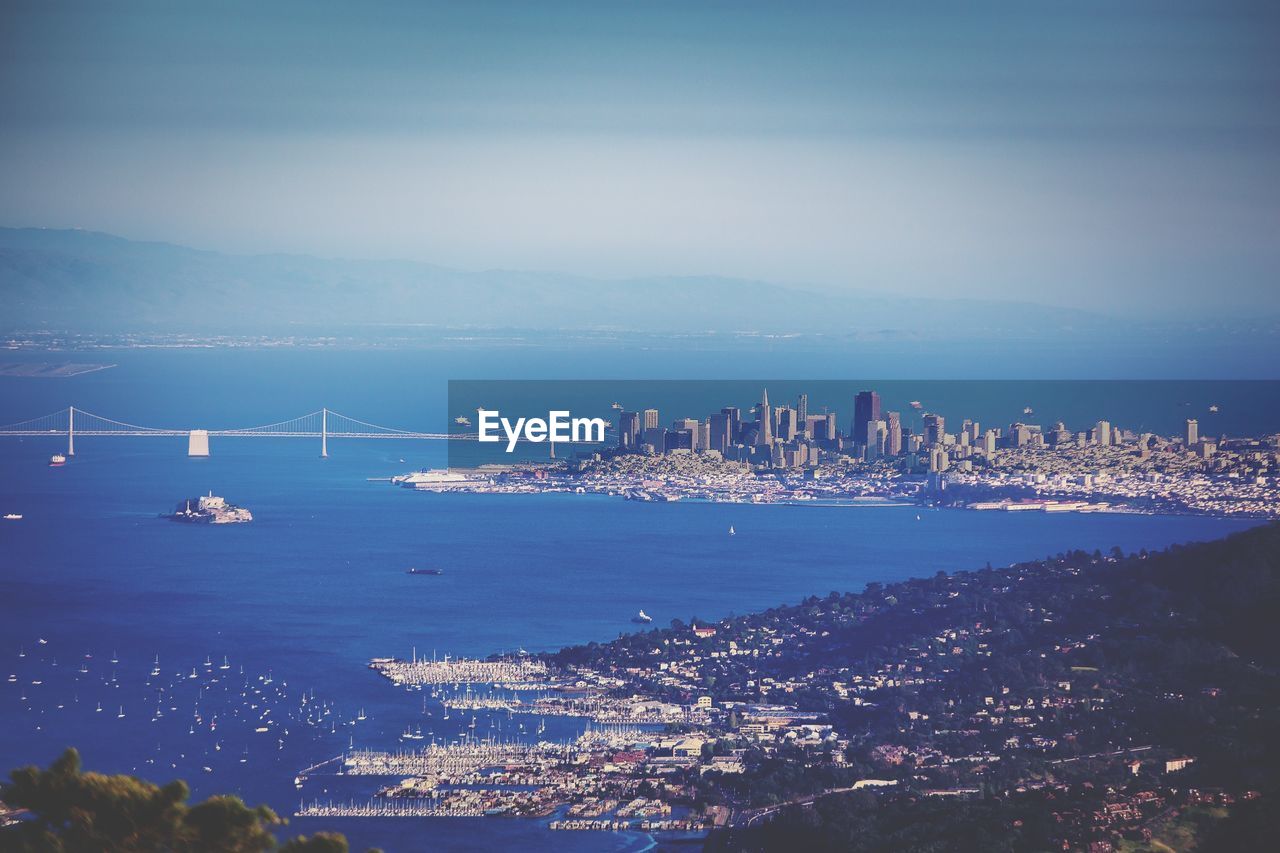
x=315 y=586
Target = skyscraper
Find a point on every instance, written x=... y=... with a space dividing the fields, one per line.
x=629 y=430
x=1193 y=431
x=692 y=426
x=764 y=417
x=893 y=442
x=718 y=438
x=788 y=423
x=733 y=425
x=802 y=411
x=866 y=407
x=935 y=427
x=1102 y=433
x=650 y=419
x=877 y=439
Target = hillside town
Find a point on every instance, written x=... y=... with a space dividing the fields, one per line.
x=1077 y=688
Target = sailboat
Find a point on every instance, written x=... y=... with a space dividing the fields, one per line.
x=120 y=716
x=732 y=532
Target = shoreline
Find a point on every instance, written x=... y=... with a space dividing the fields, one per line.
x=852 y=503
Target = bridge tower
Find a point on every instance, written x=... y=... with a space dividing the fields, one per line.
x=71 y=430
x=324 y=433
x=198 y=443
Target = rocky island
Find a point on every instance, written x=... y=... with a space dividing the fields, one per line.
x=210 y=509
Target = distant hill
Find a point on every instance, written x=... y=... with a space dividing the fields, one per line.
x=87 y=281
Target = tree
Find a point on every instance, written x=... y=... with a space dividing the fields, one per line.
x=73 y=811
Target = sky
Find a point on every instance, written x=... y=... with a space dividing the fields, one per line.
x=1121 y=157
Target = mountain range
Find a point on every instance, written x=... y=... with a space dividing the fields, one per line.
x=86 y=281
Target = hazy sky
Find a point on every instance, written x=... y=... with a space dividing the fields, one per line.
x=1122 y=154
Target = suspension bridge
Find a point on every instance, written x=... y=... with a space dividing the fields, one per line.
x=323 y=424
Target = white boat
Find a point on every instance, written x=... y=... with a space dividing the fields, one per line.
x=13 y=516
x=732 y=532
x=642 y=618
x=462 y=421
x=1214 y=407
x=225 y=663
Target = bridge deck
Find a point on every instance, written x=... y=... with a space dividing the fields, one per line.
x=232 y=433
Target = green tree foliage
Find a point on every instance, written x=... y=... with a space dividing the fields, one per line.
x=71 y=811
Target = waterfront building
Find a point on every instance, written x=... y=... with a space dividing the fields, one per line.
x=1193 y=432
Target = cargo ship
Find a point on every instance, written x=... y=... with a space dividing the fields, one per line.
x=425 y=572
x=57 y=460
